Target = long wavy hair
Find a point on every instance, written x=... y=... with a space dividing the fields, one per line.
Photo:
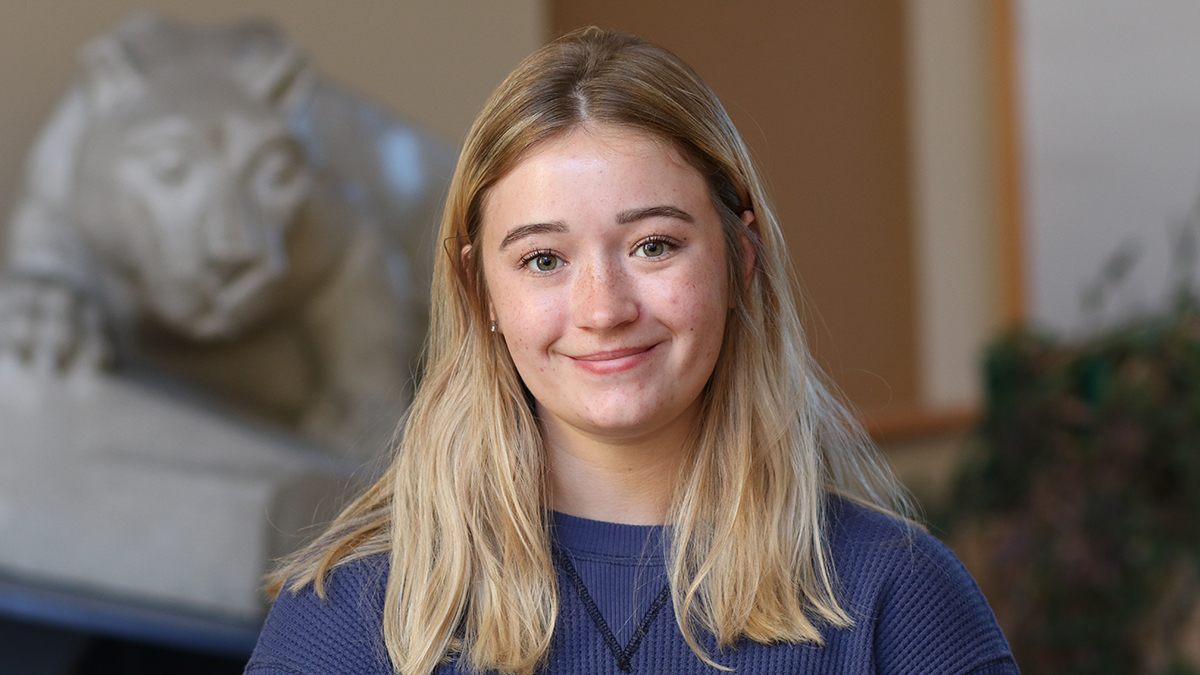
x=462 y=509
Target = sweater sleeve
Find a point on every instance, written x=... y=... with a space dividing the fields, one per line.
x=340 y=634
x=927 y=614
x=936 y=620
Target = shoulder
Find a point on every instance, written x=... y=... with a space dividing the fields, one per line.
x=870 y=547
x=923 y=609
x=338 y=633
x=866 y=542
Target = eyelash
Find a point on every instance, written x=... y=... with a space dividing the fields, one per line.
x=668 y=244
x=534 y=255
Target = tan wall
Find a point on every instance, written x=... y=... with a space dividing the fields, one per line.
x=818 y=89
x=433 y=62
x=952 y=126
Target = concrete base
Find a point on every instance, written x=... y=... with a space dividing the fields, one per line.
x=106 y=485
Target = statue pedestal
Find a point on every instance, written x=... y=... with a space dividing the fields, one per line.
x=109 y=487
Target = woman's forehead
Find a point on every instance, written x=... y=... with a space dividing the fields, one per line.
x=617 y=138
x=597 y=170
x=605 y=138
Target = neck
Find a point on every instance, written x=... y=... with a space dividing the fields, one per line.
x=629 y=481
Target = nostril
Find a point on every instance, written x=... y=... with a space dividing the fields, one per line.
x=227 y=271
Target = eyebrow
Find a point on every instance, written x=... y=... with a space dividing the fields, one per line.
x=623 y=218
x=634 y=215
x=522 y=231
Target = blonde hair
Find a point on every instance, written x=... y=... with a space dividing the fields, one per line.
x=462 y=511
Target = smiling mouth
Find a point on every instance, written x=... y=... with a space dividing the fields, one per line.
x=613 y=361
x=614 y=354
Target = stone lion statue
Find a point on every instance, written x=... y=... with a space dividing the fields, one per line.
x=204 y=208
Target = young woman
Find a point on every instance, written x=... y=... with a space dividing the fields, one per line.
x=621 y=457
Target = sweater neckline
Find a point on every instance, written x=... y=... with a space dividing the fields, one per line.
x=582 y=535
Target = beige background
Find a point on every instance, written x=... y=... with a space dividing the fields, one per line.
x=952 y=137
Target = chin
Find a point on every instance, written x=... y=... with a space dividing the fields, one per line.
x=212 y=318
x=205 y=326
x=630 y=425
x=216 y=327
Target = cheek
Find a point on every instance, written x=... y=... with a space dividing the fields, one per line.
x=528 y=321
x=705 y=287
x=697 y=303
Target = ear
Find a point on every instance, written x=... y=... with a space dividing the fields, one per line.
x=274 y=71
x=748 y=256
x=465 y=260
x=110 y=75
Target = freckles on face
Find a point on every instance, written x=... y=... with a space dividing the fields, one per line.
x=606 y=273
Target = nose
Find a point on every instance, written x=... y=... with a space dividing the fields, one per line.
x=236 y=241
x=603 y=297
x=233 y=235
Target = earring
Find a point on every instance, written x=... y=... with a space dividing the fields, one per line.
x=493 y=326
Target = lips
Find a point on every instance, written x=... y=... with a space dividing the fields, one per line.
x=614 y=360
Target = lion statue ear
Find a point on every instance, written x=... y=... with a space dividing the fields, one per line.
x=255 y=53
x=110 y=74
x=272 y=70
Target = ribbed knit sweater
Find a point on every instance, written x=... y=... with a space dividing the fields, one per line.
x=915 y=609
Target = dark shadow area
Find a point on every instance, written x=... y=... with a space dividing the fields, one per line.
x=119 y=657
x=37 y=649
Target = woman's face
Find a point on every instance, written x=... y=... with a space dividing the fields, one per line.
x=606 y=269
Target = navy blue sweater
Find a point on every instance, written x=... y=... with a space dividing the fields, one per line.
x=915 y=608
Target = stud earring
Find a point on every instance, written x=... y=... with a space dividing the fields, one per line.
x=493 y=326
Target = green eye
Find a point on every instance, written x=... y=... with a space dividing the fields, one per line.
x=653 y=248
x=544 y=261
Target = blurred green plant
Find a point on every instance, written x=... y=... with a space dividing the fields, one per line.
x=1079 y=507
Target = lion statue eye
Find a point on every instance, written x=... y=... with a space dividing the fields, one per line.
x=279 y=165
x=169 y=164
